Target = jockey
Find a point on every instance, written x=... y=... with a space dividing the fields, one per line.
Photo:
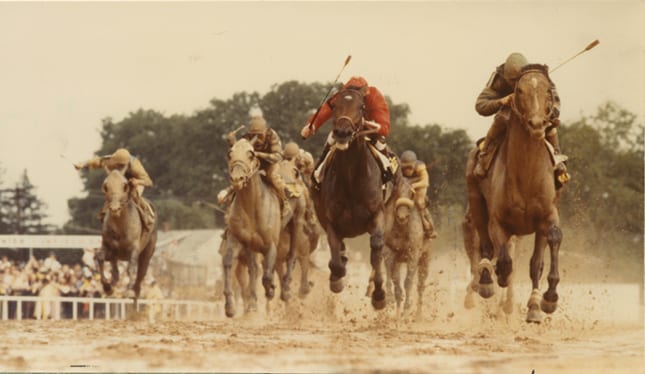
x=377 y=114
x=268 y=148
x=132 y=169
x=415 y=171
x=496 y=99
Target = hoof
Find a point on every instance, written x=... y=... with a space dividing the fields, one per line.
x=508 y=308
x=502 y=282
x=251 y=307
x=486 y=290
x=548 y=306
x=336 y=286
x=378 y=299
x=469 y=301
x=285 y=296
x=229 y=310
x=534 y=315
x=304 y=291
x=269 y=293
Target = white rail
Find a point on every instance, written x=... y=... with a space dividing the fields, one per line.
x=115 y=308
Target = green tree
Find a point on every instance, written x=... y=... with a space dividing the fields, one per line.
x=606 y=163
x=23 y=212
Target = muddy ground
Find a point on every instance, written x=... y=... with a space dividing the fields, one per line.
x=598 y=328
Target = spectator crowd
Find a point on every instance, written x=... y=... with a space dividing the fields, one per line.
x=48 y=277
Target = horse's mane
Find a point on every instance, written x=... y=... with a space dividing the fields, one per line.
x=539 y=67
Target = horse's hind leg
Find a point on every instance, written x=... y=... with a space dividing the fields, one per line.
x=478 y=214
x=142 y=265
x=471 y=244
x=550 y=297
x=424 y=260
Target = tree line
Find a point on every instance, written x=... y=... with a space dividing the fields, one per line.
x=186 y=157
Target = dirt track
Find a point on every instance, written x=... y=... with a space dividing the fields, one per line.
x=597 y=329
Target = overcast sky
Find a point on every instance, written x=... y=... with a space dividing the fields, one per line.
x=65 y=66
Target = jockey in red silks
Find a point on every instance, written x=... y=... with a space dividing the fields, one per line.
x=376 y=114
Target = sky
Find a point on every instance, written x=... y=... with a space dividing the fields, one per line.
x=65 y=66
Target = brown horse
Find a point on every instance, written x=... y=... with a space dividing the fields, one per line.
x=518 y=196
x=351 y=201
x=406 y=243
x=254 y=224
x=294 y=244
x=123 y=236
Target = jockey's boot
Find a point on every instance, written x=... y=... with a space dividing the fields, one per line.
x=428 y=225
x=561 y=175
x=320 y=164
x=385 y=156
x=483 y=159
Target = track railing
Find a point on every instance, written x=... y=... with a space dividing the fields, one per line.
x=106 y=308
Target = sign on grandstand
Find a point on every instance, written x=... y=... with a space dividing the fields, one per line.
x=50 y=241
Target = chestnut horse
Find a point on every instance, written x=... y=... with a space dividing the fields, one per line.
x=123 y=236
x=350 y=200
x=517 y=197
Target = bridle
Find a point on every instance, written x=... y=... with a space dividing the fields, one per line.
x=357 y=122
x=248 y=169
x=514 y=105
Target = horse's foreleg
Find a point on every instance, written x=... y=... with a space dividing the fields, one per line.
x=537 y=265
x=252 y=267
x=227 y=263
x=267 y=277
x=337 y=262
x=411 y=273
x=394 y=271
x=550 y=297
x=100 y=258
x=376 y=260
x=504 y=264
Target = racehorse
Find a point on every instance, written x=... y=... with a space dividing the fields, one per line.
x=124 y=238
x=350 y=200
x=518 y=196
x=254 y=223
x=406 y=243
x=295 y=243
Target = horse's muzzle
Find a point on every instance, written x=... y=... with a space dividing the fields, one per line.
x=537 y=127
x=342 y=138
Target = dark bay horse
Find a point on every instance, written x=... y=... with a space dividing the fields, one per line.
x=254 y=224
x=123 y=236
x=517 y=197
x=351 y=201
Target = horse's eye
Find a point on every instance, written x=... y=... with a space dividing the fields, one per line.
x=228 y=155
x=251 y=155
x=104 y=188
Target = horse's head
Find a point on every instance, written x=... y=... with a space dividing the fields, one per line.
x=533 y=99
x=117 y=192
x=404 y=204
x=348 y=108
x=242 y=163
